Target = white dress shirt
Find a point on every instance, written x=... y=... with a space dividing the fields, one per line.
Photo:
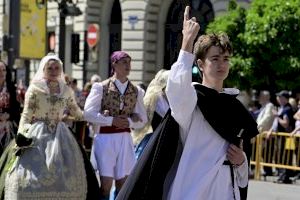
x=265 y=117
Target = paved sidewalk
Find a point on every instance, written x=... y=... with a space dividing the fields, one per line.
x=267 y=190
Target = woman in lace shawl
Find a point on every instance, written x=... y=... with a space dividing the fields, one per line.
x=47 y=162
x=156 y=104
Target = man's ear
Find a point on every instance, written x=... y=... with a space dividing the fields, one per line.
x=199 y=63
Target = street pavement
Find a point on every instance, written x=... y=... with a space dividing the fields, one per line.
x=267 y=190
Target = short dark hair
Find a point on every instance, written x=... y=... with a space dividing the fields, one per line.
x=74 y=80
x=204 y=42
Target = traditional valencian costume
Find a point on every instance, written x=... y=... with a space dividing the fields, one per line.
x=186 y=157
x=106 y=96
x=47 y=162
x=113 y=150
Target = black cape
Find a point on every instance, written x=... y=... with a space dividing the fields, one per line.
x=154 y=172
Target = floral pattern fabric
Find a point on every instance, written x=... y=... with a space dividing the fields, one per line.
x=41 y=106
x=53 y=166
x=112 y=98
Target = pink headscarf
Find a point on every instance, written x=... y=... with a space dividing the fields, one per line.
x=116 y=56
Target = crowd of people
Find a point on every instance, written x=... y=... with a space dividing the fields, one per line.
x=282 y=115
x=43 y=154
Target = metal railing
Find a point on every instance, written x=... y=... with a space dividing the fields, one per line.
x=279 y=150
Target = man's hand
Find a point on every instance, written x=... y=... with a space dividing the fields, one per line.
x=190 y=31
x=235 y=155
x=120 y=122
x=295 y=131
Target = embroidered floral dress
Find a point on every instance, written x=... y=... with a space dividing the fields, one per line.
x=52 y=167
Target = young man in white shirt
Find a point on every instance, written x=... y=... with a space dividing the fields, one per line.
x=213 y=164
x=206 y=160
x=117 y=106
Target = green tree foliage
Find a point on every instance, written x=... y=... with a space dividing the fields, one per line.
x=266 y=42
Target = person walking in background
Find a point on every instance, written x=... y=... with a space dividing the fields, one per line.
x=117 y=106
x=86 y=91
x=79 y=126
x=156 y=104
x=47 y=162
x=89 y=128
x=76 y=90
x=21 y=90
x=9 y=107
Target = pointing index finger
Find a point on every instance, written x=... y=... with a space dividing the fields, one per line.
x=187 y=13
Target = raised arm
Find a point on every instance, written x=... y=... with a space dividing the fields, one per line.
x=180 y=93
x=190 y=31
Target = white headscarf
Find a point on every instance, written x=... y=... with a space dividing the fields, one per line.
x=39 y=77
x=40 y=73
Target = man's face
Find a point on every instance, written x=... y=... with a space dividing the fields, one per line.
x=263 y=98
x=122 y=67
x=216 y=64
x=282 y=100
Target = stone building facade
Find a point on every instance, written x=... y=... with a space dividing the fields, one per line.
x=149 y=30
